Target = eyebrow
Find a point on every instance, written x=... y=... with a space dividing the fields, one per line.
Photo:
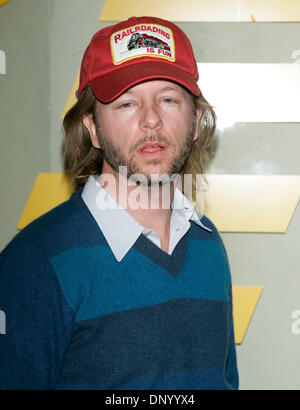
x=177 y=90
x=166 y=88
x=170 y=88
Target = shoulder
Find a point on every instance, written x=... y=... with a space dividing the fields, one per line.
x=27 y=257
x=212 y=235
x=212 y=231
x=207 y=222
x=62 y=227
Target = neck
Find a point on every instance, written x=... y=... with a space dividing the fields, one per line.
x=148 y=205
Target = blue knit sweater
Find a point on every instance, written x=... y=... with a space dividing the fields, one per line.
x=78 y=319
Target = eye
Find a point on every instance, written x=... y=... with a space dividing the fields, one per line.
x=169 y=100
x=125 y=105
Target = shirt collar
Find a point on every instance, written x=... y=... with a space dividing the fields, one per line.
x=183 y=206
x=119 y=228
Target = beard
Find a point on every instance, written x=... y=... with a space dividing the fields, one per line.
x=128 y=166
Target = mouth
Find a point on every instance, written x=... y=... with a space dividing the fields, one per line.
x=152 y=148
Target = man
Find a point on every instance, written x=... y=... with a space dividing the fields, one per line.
x=124 y=286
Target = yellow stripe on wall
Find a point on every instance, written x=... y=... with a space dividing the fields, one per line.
x=204 y=10
x=49 y=190
x=251 y=203
x=72 y=99
x=235 y=203
x=244 y=301
x=3 y=2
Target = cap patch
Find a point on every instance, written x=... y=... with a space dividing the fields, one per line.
x=151 y=40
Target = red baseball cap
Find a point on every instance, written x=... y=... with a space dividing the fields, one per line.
x=136 y=50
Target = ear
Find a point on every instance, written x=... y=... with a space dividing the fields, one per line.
x=197 y=119
x=90 y=125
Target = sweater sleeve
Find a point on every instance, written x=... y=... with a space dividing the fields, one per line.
x=231 y=370
x=232 y=376
x=38 y=321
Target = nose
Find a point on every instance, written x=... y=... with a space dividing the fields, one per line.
x=150 y=117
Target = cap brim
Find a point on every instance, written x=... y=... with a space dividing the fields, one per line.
x=110 y=86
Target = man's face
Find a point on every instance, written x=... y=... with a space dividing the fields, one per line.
x=150 y=129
